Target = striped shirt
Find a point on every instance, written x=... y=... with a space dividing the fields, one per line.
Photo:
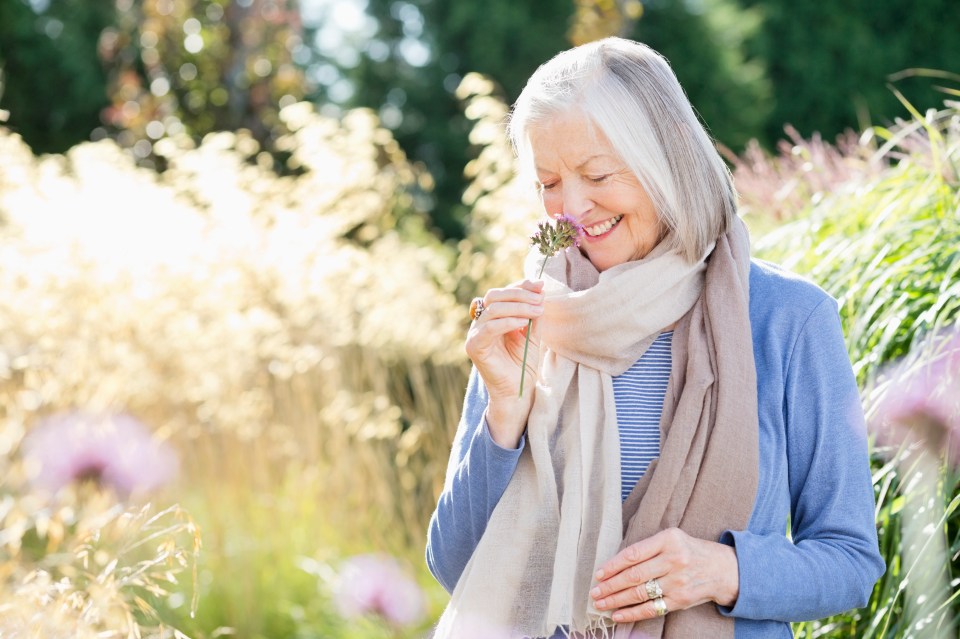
x=639 y=394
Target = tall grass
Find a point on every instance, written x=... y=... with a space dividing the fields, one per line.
x=296 y=338
x=888 y=247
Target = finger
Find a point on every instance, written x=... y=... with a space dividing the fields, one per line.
x=642 y=611
x=485 y=338
x=533 y=285
x=630 y=556
x=528 y=311
x=525 y=292
x=629 y=586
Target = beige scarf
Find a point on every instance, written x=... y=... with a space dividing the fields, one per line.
x=561 y=516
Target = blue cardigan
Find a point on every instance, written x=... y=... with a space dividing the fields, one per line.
x=814 y=472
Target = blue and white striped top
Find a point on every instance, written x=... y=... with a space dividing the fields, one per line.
x=639 y=394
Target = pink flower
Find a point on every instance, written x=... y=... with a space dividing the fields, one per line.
x=377 y=585
x=921 y=397
x=115 y=451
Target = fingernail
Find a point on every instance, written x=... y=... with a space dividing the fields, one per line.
x=595 y=592
x=538 y=310
x=617 y=616
x=602 y=603
x=599 y=574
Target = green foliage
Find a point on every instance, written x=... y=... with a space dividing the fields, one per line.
x=200 y=66
x=53 y=82
x=706 y=44
x=749 y=66
x=830 y=63
x=503 y=39
x=887 y=246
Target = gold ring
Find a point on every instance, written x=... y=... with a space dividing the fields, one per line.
x=476 y=308
x=660 y=606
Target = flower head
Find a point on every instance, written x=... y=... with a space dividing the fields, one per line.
x=921 y=398
x=377 y=585
x=115 y=451
x=562 y=234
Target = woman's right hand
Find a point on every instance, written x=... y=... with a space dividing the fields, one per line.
x=495 y=344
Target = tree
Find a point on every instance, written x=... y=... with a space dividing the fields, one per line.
x=831 y=64
x=506 y=41
x=410 y=66
x=53 y=83
x=706 y=43
x=197 y=66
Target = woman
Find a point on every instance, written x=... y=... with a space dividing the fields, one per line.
x=690 y=404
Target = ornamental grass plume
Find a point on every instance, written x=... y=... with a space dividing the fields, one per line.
x=549 y=240
x=376 y=585
x=89 y=568
x=919 y=402
x=918 y=416
x=117 y=452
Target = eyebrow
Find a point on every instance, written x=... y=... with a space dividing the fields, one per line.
x=584 y=163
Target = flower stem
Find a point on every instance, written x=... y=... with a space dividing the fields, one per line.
x=526 y=342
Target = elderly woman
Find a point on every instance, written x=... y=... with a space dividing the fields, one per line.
x=692 y=460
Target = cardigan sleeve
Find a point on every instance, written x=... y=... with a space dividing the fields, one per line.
x=832 y=560
x=477 y=475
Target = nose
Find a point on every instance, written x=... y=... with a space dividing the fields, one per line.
x=571 y=200
x=577 y=204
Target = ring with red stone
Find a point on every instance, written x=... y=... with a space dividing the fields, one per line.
x=476 y=308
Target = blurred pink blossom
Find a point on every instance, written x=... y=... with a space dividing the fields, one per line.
x=921 y=398
x=115 y=451
x=377 y=585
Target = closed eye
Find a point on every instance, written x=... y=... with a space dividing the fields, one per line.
x=547 y=187
x=600 y=178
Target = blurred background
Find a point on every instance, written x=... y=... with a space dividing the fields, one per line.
x=238 y=239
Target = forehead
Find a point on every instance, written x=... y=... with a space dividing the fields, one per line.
x=570 y=140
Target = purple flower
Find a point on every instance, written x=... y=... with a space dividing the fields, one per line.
x=563 y=234
x=114 y=451
x=569 y=222
x=921 y=398
x=377 y=585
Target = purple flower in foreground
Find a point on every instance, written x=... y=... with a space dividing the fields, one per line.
x=564 y=233
x=922 y=398
x=377 y=585
x=115 y=451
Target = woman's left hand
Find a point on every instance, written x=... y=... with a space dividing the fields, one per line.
x=690 y=572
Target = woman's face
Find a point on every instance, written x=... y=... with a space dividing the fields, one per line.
x=582 y=176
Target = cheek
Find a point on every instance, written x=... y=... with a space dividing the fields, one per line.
x=552 y=202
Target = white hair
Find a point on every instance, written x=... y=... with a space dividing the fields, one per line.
x=630 y=92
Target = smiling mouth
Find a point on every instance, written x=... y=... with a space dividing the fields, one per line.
x=604 y=227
